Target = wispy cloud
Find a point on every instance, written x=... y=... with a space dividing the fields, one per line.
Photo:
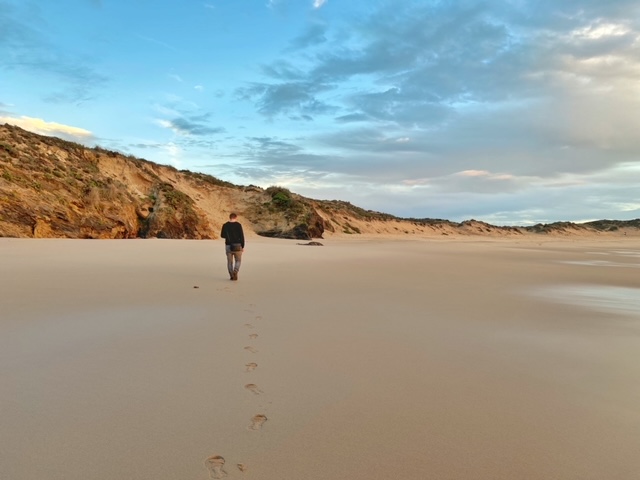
x=298 y=97
x=314 y=35
x=195 y=125
x=318 y=3
x=155 y=41
x=25 y=48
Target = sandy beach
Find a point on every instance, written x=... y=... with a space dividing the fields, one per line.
x=364 y=359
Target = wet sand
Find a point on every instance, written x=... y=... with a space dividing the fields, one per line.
x=363 y=359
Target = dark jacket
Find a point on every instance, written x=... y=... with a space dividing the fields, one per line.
x=232 y=233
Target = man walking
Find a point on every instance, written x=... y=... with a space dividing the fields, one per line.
x=233 y=244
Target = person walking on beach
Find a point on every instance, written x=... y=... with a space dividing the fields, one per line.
x=234 y=244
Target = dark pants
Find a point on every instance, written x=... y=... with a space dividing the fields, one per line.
x=234 y=259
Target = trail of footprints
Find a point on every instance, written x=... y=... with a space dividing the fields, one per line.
x=215 y=463
x=259 y=419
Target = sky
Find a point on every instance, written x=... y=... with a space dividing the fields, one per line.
x=513 y=112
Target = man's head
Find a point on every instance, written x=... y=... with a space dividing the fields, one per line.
x=233 y=217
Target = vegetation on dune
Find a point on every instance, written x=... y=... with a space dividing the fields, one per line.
x=356 y=212
x=298 y=217
x=282 y=200
x=204 y=179
x=614 y=225
x=173 y=215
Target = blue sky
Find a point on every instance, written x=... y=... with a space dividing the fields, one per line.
x=508 y=111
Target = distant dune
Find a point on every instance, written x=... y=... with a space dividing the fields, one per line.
x=50 y=187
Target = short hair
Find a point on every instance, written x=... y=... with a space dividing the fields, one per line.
x=232 y=216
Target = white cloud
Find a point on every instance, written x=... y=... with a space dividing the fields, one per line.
x=199 y=88
x=602 y=30
x=484 y=174
x=416 y=182
x=38 y=125
x=163 y=123
x=318 y=3
x=166 y=111
x=628 y=207
x=473 y=173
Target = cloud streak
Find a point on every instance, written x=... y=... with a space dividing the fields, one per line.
x=157 y=42
x=291 y=97
x=38 y=125
x=191 y=126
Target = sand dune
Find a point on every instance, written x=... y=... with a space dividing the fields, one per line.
x=363 y=359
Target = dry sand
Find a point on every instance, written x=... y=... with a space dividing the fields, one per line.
x=363 y=359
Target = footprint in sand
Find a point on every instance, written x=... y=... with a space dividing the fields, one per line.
x=248 y=325
x=252 y=387
x=259 y=317
x=251 y=366
x=257 y=421
x=251 y=349
x=253 y=336
x=242 y=467
x=215 y=464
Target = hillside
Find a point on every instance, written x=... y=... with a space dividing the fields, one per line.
x=54 y=188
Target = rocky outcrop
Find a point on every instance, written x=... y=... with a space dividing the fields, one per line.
x=316 y=225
